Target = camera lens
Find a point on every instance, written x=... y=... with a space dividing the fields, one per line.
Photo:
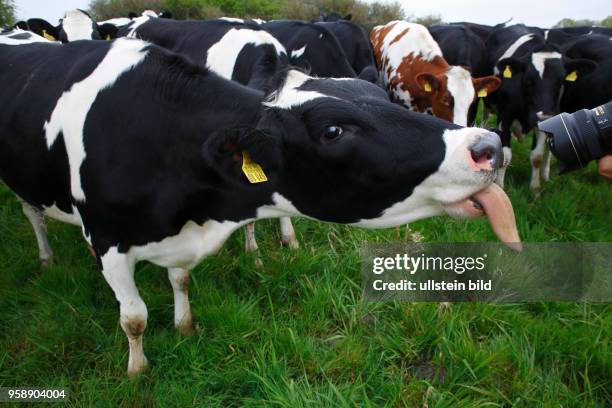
x=577 y=138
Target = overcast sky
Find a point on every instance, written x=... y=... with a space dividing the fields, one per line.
x=543 y=13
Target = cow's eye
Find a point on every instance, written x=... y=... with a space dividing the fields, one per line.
x=332 y=132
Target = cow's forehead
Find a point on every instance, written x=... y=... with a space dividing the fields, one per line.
x=539 y=60
x=77 y=25
x=300 y=88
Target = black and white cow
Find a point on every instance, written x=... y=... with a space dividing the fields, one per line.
x=313 y=47
x=355 y=43
x=532 y=73
x=232 y=48
x=462 y=47
x=241 y=52
x=17 y=36
x=595 y=88
x=561 y=36
x=160 y=160
x=76 y=25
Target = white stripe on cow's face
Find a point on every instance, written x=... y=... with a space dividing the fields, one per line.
x=222 y=56
x=538 y=59
x=299 y=52
x=77 y=26
x=289 y=96
x=70 y=112
x=512 y=49
x=462 y=90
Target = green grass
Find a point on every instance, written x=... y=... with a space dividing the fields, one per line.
x=296 y=333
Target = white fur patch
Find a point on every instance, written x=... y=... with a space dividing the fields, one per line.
x=462 y=90
x=137 y=22
x=299 y=52
x=5 y=38
x=452 y=182
x=221 y=57
x=232 y=19
x=187 y=248
x=118 y=22
x=77 y=26
x=289 y=96
x=72 y=107
x=538 y=59
x=513 y=47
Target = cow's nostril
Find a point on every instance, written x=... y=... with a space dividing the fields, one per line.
x=487 y=150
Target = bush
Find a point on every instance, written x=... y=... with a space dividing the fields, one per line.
x=105 y=9
x=7 y=13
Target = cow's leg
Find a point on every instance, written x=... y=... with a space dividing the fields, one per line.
x=506 y=140
x=250 y=244
x=179 y=279
x=288 y=233
x=37 y=219
x=546 y=163
x=536 y=156
x=118 y=271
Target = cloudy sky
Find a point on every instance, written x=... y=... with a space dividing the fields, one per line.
x=541 y=13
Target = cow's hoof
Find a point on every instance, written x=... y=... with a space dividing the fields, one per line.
x=291 y=244
x=186 y=328
x=135 y=370
x=45 y=263
x=258 y=263
x=536 y=191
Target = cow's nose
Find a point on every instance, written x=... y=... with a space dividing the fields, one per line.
x=487 y=152
x=543 y=116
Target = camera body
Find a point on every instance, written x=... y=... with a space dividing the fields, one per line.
x=577 y=138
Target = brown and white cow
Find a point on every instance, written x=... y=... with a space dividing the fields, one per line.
x=415 y=73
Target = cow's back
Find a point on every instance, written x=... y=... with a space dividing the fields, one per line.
x=34 y=77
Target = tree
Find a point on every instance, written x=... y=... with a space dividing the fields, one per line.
x=606 y=22
x=568 y=22
x=105 y=9
x=428 y=20
x=7 y=13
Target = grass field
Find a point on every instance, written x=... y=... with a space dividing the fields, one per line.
x=296 y=333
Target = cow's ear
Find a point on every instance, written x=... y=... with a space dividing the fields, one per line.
x=165 y=14
x=22 y=25
x=427 y=82
x=243 y=156
x=485 y=85
x=43 y=28
x=577 y=68
x=131 y=15
x=107 y=31
x=509 y=67
x=348 y=17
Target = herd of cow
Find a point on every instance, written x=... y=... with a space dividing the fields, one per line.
x=160 y=137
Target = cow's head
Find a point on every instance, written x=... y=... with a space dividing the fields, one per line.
x=532 y=84
x=248 y=56
x=76 y=25
x=340 y=151
x=450 y=94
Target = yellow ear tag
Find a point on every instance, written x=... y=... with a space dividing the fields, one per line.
x=482 y=93
x=427 y=87
x=48 y=36
x=507 y=72
x=572 y=76
x=108 y=37
x=251 y=170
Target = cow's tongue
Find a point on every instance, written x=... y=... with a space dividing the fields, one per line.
x=498 y=208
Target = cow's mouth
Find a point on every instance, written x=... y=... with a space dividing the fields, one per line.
x=492 y=201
